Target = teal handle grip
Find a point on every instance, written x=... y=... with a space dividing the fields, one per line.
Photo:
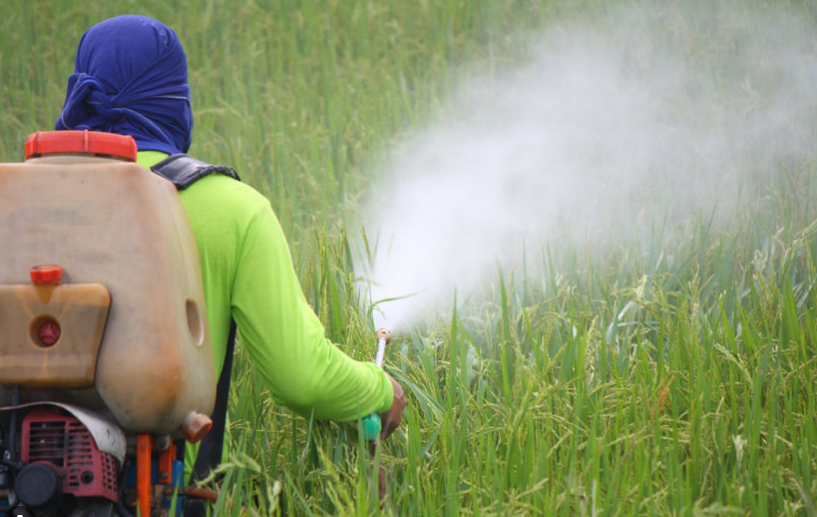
x=371 y=427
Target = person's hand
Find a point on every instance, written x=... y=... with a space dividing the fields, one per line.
x=391 y=419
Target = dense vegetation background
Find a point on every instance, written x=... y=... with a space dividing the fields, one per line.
x=668 y=376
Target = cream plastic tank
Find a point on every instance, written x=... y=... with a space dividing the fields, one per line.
x=124 y=330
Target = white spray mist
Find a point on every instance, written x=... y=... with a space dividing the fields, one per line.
x=648 y=114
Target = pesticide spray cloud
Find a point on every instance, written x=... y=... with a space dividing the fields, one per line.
x=648 y=114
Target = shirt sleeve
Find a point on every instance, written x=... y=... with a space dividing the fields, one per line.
x=286 y=340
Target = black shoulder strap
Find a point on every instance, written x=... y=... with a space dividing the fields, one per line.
x=184 y=170
x=211 y=447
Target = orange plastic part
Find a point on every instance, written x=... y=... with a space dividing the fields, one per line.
x=45 y=275
x=82 y=142
x=196 y=427
x=144 y=445
x=166 y=458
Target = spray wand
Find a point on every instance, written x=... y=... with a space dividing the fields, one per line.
x=372 y=424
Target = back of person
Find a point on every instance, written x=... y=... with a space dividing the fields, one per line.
x=130 y=78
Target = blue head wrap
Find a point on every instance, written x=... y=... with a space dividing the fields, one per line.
x=130 y=77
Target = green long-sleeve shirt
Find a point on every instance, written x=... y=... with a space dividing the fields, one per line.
x=248 y=275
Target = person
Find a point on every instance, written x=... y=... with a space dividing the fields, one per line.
x=130 y=78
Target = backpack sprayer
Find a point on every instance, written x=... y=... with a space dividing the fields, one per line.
x=105 y=358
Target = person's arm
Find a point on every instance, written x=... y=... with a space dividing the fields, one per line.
x=286 y=341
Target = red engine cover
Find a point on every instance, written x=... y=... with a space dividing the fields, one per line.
x=53 y=436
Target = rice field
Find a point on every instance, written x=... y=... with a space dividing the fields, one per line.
x=667 y=375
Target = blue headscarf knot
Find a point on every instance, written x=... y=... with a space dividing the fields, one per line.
x=89 y=90
x=130 y=78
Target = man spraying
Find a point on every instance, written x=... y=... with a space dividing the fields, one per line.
x=130 y=78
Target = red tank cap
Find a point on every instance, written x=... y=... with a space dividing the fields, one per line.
x=45 y=275
x=82 y=142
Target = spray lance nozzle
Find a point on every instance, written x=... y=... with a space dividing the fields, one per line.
x=371 y=424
